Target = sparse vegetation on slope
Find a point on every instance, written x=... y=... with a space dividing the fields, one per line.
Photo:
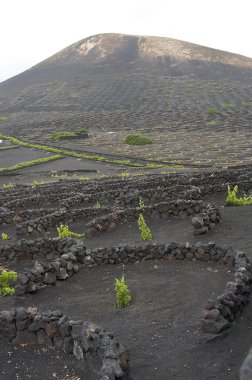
x=212 y=111
x=7 y=147
x=59 y=135
x=66 y=152
x=233 y=200
x=7 y=185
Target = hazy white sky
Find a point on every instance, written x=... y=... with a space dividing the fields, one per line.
x=32 y=30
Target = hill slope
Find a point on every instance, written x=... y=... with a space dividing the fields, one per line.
x=119 y=83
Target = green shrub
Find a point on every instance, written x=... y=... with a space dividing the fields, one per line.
x=232 y=198
x=83 y=130
x=212 y=123
x=122 y=293
x=97 y=205
x=227 y=105
x=212 y=111
x=60 y=135
x=141 y=202
x=247 y=104
x=7 y=186
x=35 y=184
x=5 y=278
x=145 y=231
x=104 y=176
x=64 y=232
x=84 y=178
x=137 y=140
x=4 y=236
x=2 y=118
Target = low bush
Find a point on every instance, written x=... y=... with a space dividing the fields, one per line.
x=145 y=231
x=212 y=111
x=7 y=186
x=4 y=236
x=123 y=175
x=233 y=200
x=122 y=293
x=5 y=278
x=63 y=232
x=227 y=105
x=35 y=184
x=141 y=202
x=60 y=135
x=84 y=178
x=137 y=140
x=97 y=205
x=83 y=131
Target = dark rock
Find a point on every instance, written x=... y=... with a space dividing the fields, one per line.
x=58 y=342
x=65 y=329
x=212 y=314
x=25 y=337
x=24 y=256
x=6 y=316
x=23 y=324
x=37 y=325
x=49 y=278
x=68 y=345
x=197 y=222
x=78 y=351
x=44 y=339
x=63 y=274
x=52 y=329
x=214 y=327
x=246 y=368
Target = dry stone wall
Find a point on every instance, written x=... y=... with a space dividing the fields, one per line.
x=77 y=337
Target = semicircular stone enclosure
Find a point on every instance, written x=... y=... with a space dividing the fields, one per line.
x=105 y=213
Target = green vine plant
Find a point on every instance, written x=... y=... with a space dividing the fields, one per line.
x=97 y=205
x=4 y=236
x=7 y=186
x=36 y=184
x=233 y=200
x=5 y=277
x=145 y=231
x=123 y=297
x=141 y=203
x=64 y=232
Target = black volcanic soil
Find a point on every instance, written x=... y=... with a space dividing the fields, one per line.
x=161 y=325
x=162 y=321
x=234 y=229
x=15 y=156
